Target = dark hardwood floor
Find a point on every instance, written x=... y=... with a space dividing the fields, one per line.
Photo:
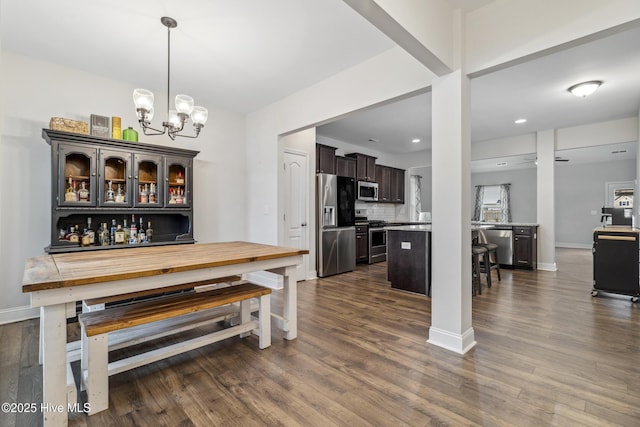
x=547 y=354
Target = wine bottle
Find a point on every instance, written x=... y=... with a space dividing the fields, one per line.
x=142 y=237
x=112 y=232
x=149 y=233
x=133 y=231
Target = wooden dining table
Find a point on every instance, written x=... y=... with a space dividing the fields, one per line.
x=56 y=282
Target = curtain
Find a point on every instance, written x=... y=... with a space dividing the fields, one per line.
x=477 y=209
x=416 y=203
x=505 y=203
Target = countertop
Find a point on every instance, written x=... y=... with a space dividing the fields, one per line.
x=427 y=227
x=618 y=229
x=507 y=224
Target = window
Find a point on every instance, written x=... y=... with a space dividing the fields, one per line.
x=492 y=203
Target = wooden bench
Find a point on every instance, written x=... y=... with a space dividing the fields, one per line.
x=95 y=304
x=96 y=325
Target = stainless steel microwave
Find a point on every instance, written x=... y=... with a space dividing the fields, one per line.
x=367 y=191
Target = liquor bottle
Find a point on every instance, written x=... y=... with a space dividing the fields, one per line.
x=72 y=235
x=179 y=178
x=119 y=235
x=71 y=195
x=149 y=233
x=172 y=197
x=104 y=235
x=133 y=231
x=112 y=232
x=90 y=232
x=85 y=239
x=179 y=197
x=111 y=195
x=120 y=195
x=144 y=194
x=153 y=198
x=142 y=237
x=127 y=233
x=83 y=193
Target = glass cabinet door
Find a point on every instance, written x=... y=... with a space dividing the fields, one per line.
x=76 y=176
x=147 y=183
x=115 y=178
x=178 y=182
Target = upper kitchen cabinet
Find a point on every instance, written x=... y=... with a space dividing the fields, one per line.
x=115 y=177
x=365 y=167
x=76 y=175
x=346 y=166
x=390 y=184
x=148 y=186
x=383 y=178
x=325 y=159
x=397 y=185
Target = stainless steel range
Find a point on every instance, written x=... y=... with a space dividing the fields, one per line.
x=377 y=241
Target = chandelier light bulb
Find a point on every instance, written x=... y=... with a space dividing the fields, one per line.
x=199 y=116
x=184 y=104
x=174 y=119
x=143 y=99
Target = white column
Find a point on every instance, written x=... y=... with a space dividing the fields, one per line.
x=451 y=214
x=546 y=146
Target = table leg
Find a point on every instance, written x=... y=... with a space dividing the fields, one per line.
x=54 y=365
x=290 y=303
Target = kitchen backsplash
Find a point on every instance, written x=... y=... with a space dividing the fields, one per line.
x=384 y=211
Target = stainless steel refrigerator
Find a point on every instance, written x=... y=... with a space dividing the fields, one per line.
x=336 y=224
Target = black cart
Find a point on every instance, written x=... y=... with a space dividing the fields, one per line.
x=616 y=264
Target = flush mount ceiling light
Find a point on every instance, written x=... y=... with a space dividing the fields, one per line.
x=184 y=103
x=520 y=121
x=584 y=89
x=373 y=140
x=415 y=140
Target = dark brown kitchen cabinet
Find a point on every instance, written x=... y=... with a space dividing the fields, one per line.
x=101 y=180
x=383 y=178
x=525 y=246
x=362 y=243
x=365 y=167
x=346 y=166
x=397 y=185
x=325 y=159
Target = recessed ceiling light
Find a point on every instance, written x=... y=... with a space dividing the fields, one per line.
x=373 y=140
x=585 y=89
x=501 y=164
x=520 y=121
x=415 y=140
x=618 y=151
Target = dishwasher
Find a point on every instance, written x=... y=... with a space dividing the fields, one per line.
x=503 y=237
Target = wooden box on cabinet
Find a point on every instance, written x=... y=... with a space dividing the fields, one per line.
x=106 y=179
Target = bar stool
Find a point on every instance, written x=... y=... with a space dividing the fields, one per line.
x=492 y=249
x=478 y=251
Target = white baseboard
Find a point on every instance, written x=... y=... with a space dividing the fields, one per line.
x=459 y=343
x=547 y=266
x=18 y=314
x=574 y=245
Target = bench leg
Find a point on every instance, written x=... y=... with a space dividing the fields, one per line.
x=94 y=368
x=264 y=321
x=245 y=315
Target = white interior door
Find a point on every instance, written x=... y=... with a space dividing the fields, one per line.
x=296 y=215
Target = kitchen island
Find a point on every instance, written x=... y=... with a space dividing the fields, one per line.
x=409 y=256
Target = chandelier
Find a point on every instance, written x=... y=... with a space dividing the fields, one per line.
x=184 y=107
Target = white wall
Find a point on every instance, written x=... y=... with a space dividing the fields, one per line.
x=580 y=193
x=33 y=92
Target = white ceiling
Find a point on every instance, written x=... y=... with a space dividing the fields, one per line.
x=535 y=90
x=236 y=55
x=243 y=55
